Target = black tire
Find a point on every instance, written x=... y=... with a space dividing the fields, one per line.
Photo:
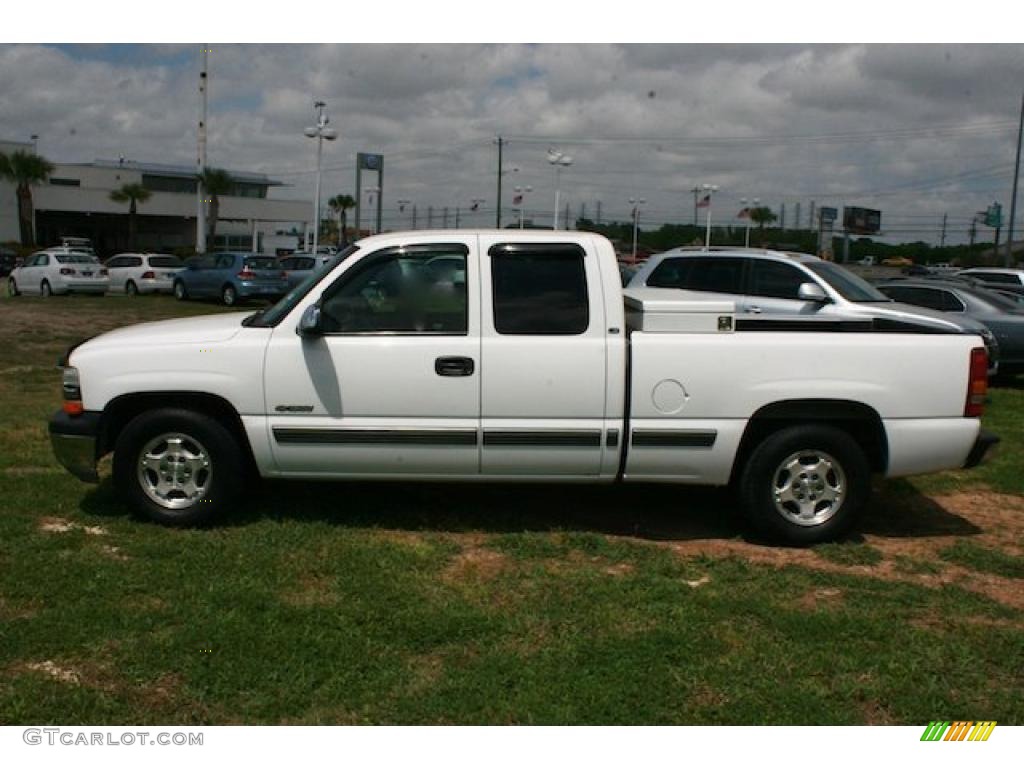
x=831 y=488
x=12 y=287
x=131 y=288
x=179 y=291
x=226 y=465
x=44 y=289
x=229 y=295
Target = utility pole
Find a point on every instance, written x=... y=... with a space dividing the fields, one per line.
x=973 y=231
x=501 y=143
x=201 y=153
x=1013 y=197
x=942 y=239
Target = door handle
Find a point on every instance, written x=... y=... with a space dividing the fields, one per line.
x=454 y=366
x=754 y=310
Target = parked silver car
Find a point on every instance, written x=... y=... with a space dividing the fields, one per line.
x=135 y=273
x=775 y=284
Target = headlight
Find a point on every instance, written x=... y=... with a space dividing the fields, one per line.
x=70 y=384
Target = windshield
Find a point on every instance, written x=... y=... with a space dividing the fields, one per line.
x=74 y=259
x=999 y=301
x=271 y=316
x=165 y=261
x=845 y=283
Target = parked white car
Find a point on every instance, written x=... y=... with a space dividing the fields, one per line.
x=58 y=271
x=135 y=273
x=1013 y=278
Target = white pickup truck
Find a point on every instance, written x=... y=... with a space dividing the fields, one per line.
x=514 y=356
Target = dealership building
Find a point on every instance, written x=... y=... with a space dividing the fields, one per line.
x=75 y=201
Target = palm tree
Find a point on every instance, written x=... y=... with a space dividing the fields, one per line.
x=340 y=204
x=215 y=182
x=132 y=194
x=24 y=169
x=762 y=215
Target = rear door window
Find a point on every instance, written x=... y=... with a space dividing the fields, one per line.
x=716 y=274
x=540 y=290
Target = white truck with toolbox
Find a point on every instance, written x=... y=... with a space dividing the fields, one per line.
x=514 y=356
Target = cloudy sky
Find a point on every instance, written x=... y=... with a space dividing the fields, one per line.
x=915 y=130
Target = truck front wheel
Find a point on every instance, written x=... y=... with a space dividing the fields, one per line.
x=177 y=466
x=805 y=484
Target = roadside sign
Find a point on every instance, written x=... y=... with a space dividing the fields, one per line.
x=828 y=215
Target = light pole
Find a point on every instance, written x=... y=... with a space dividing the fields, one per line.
x=320 y=131
x=560 y=160
x=636 y=203
x=708 y=190
x=746 y=213
x=519 y=201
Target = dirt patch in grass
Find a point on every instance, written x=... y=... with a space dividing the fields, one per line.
x=55 y=525
x=10 y=612
x=820 y=597
x=474 y=564
x=902 y=530
x=60 y=673
x=311 y=590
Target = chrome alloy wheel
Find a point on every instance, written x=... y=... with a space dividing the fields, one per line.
x=808 y=487
x=174 y=470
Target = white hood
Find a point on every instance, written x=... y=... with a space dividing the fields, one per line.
x=187 y=330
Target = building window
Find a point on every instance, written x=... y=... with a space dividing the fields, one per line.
x=65 y=182
x=169 y=184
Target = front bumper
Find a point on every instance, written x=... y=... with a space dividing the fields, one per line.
x=74 y=441
x=978 y=454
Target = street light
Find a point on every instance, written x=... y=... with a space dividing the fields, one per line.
x=519 y=201
x=560 y=160
x=708 y=190
x=636 y=203
x=320 y=131
x=746 y=213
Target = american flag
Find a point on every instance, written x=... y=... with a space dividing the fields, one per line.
x=517 y=200
x=743 y=214
x=705 y=202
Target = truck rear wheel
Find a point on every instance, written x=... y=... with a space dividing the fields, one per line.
x=178 y=467
x=805 y=484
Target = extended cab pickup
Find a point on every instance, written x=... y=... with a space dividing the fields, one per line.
x=511 y=355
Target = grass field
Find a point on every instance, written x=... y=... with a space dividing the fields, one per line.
x=366 y=603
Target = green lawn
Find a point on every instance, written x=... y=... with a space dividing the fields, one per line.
x=368 y=603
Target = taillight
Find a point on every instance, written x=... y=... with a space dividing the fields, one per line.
x=67 y=271
x=246 y=274
x=149 y=275
x=977 y=383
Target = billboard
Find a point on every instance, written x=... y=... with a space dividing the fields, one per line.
x=862 y=221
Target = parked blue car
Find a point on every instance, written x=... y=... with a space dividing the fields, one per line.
x=230 y=277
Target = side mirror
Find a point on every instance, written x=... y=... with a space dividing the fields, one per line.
x=812 y=292
x=309 y=323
